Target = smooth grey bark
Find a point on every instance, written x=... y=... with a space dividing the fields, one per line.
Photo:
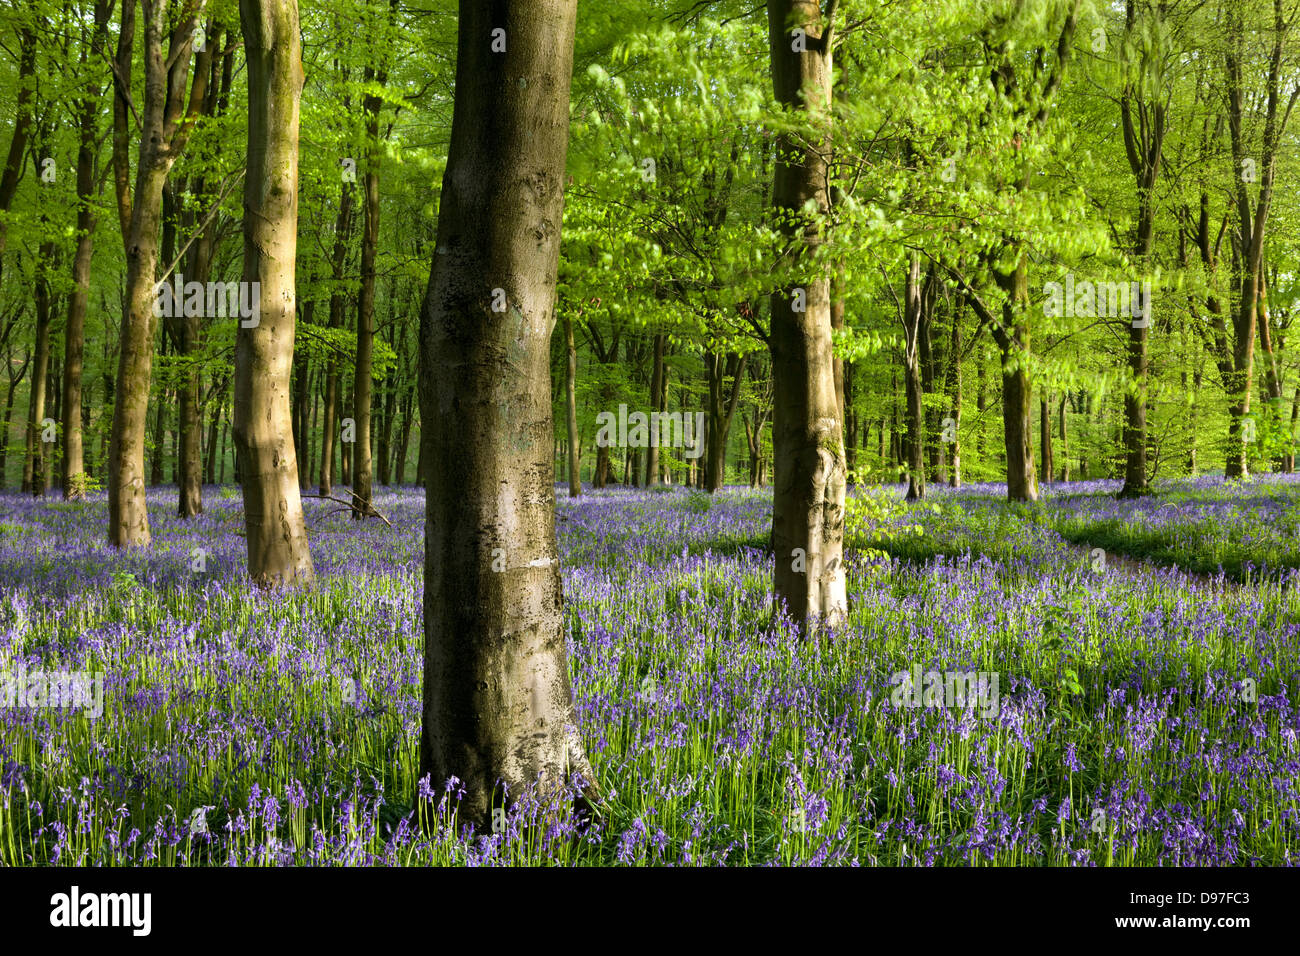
x=809 y=469
x=277 y=538
x=498 y=708
x=165 y=121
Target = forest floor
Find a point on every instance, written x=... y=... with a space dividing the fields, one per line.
x=1141 y=712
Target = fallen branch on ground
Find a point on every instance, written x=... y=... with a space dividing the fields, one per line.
x=356 y=504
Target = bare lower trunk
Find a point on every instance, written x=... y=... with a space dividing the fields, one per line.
x=912 y=383
x=277 y=537
x=34 y=461
x=807 y=432
x=363 y=383
x=656 y=393
x=1065 y=454
x=164 y=129
x=74 y=331
x=571 y=407
x=1045 y=437
x=498 y=711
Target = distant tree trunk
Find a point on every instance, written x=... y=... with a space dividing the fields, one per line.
x=188 y=328
x=34 y=459
x=159 y=455
x=1237 y=356
x=954 y=397
x=338 y=301
x=571 y=407
x=852 y=437
x=1045 y=436
x=722 y=409
x=1065 y=454
x=498 y=707
x=1285 y=461
x=403 y=442
x=346 y=447
x=913 y=310
x=74 y=463
x=384 y=442
x=1143 y=145
x=807 y=431
x=361 y=389
x=273 y=518
x=656 y=397
x=15 y=379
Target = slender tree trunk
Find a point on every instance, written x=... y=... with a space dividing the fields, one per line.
x=571 y=407
x=1045 y=436
x=363 y=383
x=74 y=464
x=164 y=129
x=913 y=309
x=656 y=391
x=807 y=432
x=23 y=110
x=330 y=428
x=277 y=536
x=34 y=459
x=722 y=409
x=955 y=397
x=497 y=702
x=15 y=379
x=1065 y=454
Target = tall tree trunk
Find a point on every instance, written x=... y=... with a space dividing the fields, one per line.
x=913 y=336
x=722 y=409
x=497 y=702
x=15 y=379
x=1144 y=147
x=363 y=383
x=1065 y=451
x=34 y=459
x=403 y=442
x=165 y=124
x=338 y=301
x=955 y=397
x=74 y=461
x=807 y=433
x=277 y=536
x=384 y=443
x=656 y=392
x=571 y=407
x=346 y=447
x=23 y=115
x=1045 y=437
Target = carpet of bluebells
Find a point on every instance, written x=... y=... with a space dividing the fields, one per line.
x=1147 y=714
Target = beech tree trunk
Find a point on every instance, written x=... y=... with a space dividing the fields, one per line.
x=330 y=427
x=164 y=130
x=809 y=469
x=74 y=331
x=23 y=110
x=362 y=387
x=913 y=309
x=571 y=407
x=954 y=390
x=1045 y=437
x=656 y=402
x=722 y=410
x=277 y=536
x=34 y=461
x=497 y=702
